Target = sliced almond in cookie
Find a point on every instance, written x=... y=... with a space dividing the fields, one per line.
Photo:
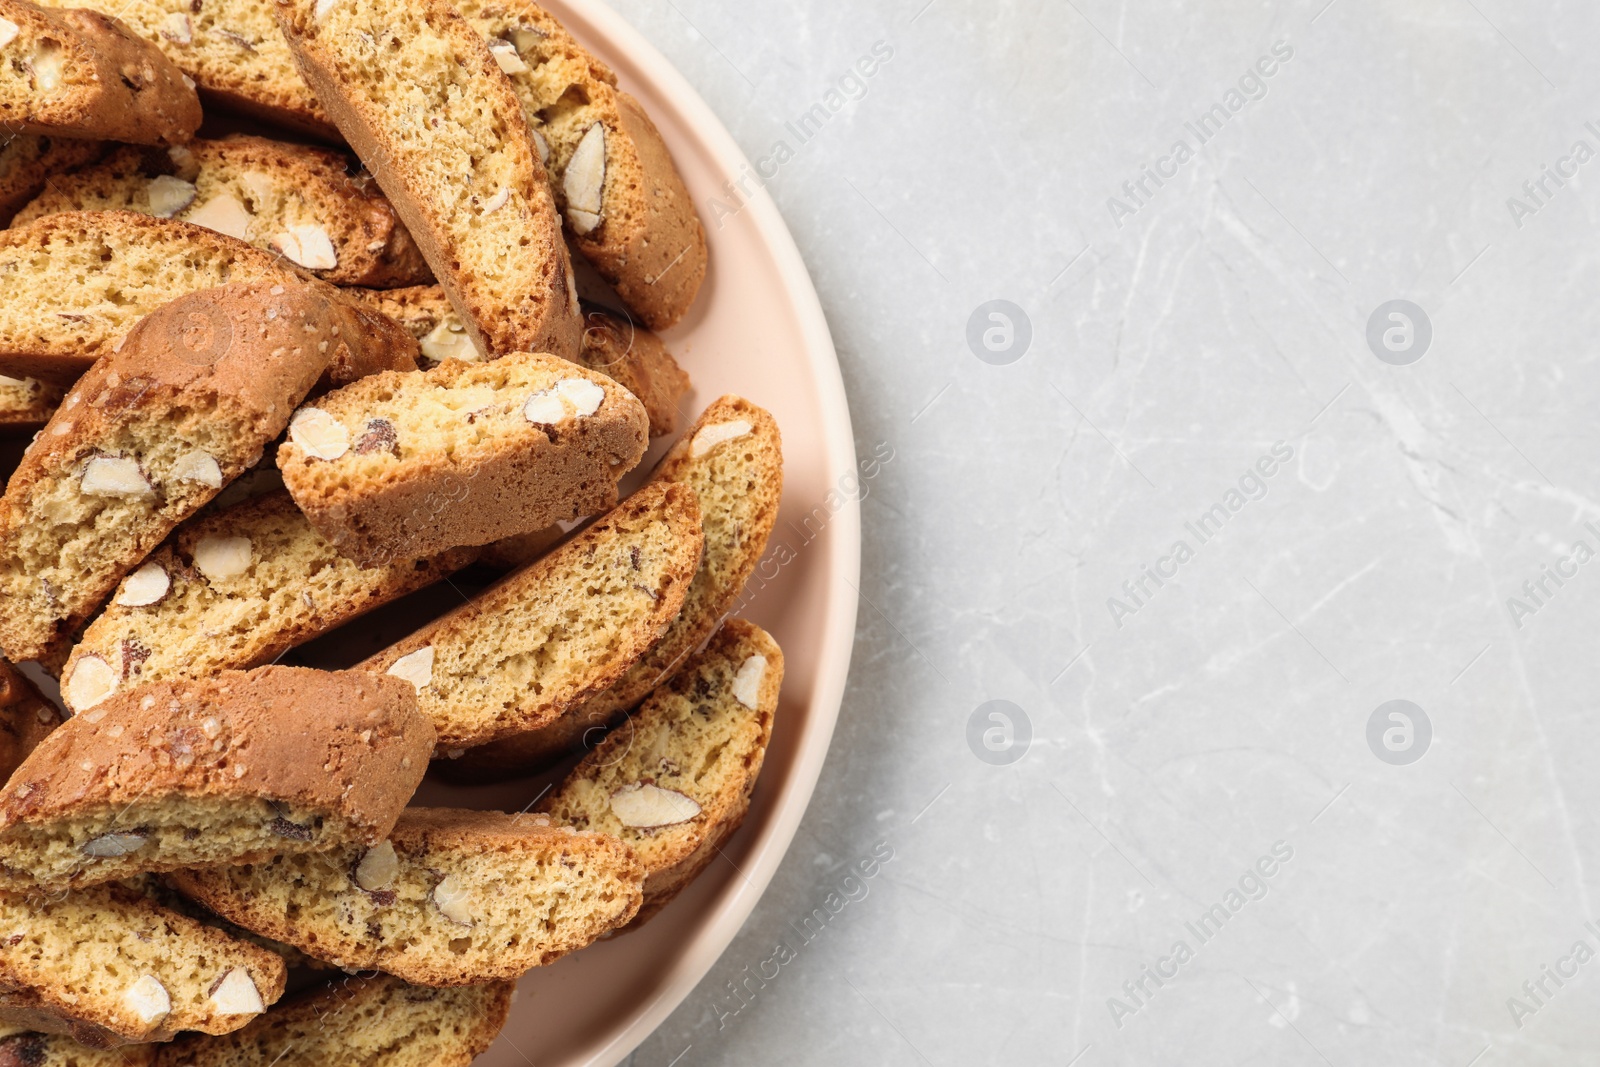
x=585 y=179
x=223 y=213
x=675 y=780
x=451 y=896
x=145 y=586
x=470 y=470
x=645 y=806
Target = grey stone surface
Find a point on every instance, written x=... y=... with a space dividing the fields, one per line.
x=1180 y=736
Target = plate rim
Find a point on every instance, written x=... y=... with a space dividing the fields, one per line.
x=838 y=633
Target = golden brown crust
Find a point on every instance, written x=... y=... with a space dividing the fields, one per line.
x=531 y=893
x=355 y=753
x=26 y=719
x=653 y=249
x=448 y=458
x=282 y=188
x=224 y=366
x=27 y=161
x=363 y=1020
x=562 y=628
x=89 y=76
x=640 y=363
x=739 y=483
x=648 y=241
x=489 y=230
x=233 y=51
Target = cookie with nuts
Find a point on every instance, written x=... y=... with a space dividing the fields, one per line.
x=233 y=51
x=452 y=897
x=529 y=649
x=626 y=208
x=630 y=355
x=732 y=457
x=674 y=781
x=309 y=205
x=109 y=967
x=360 y=1020
x=83 y=74
x=234 y=768
x=467 y=181
x=233 y=589
x=409 y=464
x=154 y=430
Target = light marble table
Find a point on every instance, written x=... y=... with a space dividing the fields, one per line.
x=1197 y=747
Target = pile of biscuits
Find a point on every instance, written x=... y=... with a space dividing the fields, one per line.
x=277 y=379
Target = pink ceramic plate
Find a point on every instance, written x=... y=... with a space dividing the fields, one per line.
x=756 y=330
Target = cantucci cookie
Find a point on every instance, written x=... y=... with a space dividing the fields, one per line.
x=26 y=404
x=27 y=161
x=733 y=459
x=630 y=355
x=78 y=73
x=109 y=966
x=414 y=89
x=76 y=283
x=233 y=51
x=451 y=898
x=28 y=1048
x=408 y=464
x=362 y=1020
x=233 y=589
x=624 y=203
x=295 y=200
x=153 y=431
x=233 y=768
x=566 y=626
x=26 y=718
x=674 y=781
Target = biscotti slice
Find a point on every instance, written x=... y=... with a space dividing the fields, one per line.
x=359 y=1022
x=27 y=161
x=109 y=966
x=409 y=464
x=733 y=459
x=630 y=355
x=26 y=404
x=233 y=589
x=153 y=431
x=624 y=202
x=233 y=51
x=233 y=768
x=77 y=282
x=28 y=1048
x=451 y=898
x=414 y=89
x=564 y=627
x=26 y=719
x=302 y=202
x=78 y=73
x=674 y=781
